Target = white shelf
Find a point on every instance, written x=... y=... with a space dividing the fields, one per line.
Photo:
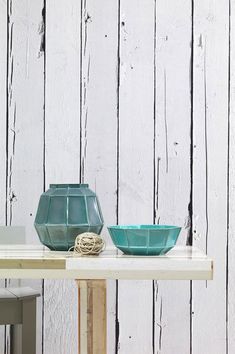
x=36 y=262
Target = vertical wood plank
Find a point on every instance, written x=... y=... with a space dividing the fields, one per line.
x=83 y=314
x=231 y=191
x=62 y=143
x=211 y=27
x=172 y=164
x=29 y=331
x=62 y=91
x=25 y=128
x=99 y=103
x=3 y=106
x=24 y=124
x=135 y=162
x=3 y=115
x=99 y=317
x=92 y=317
x=99 y=118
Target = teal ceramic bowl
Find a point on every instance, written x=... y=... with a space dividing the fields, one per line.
x=144 y=240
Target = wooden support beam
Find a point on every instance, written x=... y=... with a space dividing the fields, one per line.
x=92 y=331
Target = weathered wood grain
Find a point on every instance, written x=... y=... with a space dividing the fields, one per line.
x=135 y=160
x=210 y=141
x=24 y=126
x=230 y=305
x=98 y=64
x=3 y=123
x=126 y=138
x=183 y=262
x=3 y=107
x=62 y=149
x=62 y=127
x=99 y=104
x=92 y=317
x=172 y=164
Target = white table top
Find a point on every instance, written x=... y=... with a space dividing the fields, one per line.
x=37 y=262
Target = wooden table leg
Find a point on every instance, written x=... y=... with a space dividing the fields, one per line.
x=92 y=316
x=23 y=337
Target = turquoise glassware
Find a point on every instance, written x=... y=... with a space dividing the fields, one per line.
x=147 y=240
x=65 y=211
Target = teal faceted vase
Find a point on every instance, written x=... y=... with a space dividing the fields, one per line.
x=65 y=211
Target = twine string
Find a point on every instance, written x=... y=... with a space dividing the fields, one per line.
x=88 y=243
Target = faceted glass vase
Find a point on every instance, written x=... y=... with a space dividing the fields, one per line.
x=64 y=212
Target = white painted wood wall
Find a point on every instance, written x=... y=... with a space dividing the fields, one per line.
x=136 y=98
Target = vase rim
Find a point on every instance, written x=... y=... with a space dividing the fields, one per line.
x=69 y=185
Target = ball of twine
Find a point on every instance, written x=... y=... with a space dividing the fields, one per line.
x=88 y=243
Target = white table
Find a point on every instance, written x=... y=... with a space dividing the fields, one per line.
x=91 y=273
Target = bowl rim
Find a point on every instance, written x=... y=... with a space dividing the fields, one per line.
x=144 y=227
